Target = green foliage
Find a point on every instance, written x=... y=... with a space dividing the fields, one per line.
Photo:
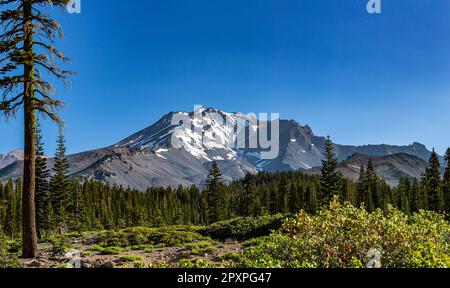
x=214 y=191
x=166 y=236
x=110 y=250
x=243 y=228
x=60 y=244
x=199 y=263
x=202 y=248
x=138 y=264
x=160 y=265
x=96 y=248
x=232 y=256
x=65 y=266
x=42 y=188
x=342 y=235
x=249 y=200
x=433 y=185
x=330 y=179
x=130 y=258
x=7 y=259
x=446 y=181
x=59 y=188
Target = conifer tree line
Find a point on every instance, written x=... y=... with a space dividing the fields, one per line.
x=68 y=205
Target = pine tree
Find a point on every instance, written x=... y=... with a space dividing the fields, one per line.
x=313 y=203
x=273 y=204
x=361 y=187
x=18 y=207
x=214 y=195
x=59 y=185
x=446 y=182
x=248 y=202
x=10 y=201
x=76 y=208
x=432 y=184
x=416 y=201
x=294 y=201
x=372 y=196
x=28 y=53
x=42 y=186
x=403 y=191
x=330 y=180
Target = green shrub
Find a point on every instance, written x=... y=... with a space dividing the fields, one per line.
x=138 y=265
x=342 y=235
x=243 y=228
x=110 y=250
x=141 y=247
x=199 y=263
x=65 y=266
x=130 y=258
x=203 y=251
x=60 y=244
x=113 y=238
x=232 y=256
x=14 y=246
x=141 y=237
x=173 y=238
x=160 y=264
x=96 y=248
x=7 y=258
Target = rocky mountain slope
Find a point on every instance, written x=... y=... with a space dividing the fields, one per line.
x=390 y=168
x=150 y=158
x=10 y=158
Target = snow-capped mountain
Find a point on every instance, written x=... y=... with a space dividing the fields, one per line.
x=10 y=158
x=179 y=148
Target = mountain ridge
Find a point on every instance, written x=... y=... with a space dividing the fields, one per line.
x=10 y=157
x=148 y=158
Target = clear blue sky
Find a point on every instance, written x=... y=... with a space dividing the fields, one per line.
x=360 y=78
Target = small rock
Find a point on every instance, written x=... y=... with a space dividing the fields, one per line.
x=86 y=265
x=89 y=241
x=108 y=265
x=35 y=264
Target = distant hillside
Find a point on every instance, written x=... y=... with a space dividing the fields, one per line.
x=390 y=168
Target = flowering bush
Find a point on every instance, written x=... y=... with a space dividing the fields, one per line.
x=342 y=235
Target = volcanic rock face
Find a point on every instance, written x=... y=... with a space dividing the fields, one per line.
x=151 y=158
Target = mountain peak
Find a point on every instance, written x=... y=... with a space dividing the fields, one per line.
x=11 y=157
x=150 y=158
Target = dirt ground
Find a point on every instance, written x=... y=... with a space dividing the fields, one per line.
x=82 y=256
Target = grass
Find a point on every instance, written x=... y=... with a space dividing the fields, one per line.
x=106 y=250
x=140 y=238
x=64 y=266
x=111 y=251
x=130 y=258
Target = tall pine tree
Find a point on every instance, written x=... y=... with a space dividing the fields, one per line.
x=248 y=199
x=59 y=186
x=446 y=181
x=214 y=195
x=330 y=179
x=42 y=187
x=432 y=184
x=28 y=55
x=372 y=199
x=361 y=187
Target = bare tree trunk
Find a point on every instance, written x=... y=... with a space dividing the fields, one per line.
x=29 y=235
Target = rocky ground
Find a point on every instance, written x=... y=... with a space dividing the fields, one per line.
x=82 y=256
